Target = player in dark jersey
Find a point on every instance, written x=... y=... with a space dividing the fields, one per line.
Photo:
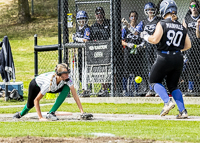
x=100 y=30
x=193 y=68
x=131 y=66
x=149 y=25
x=172 y=38
x=82 y=35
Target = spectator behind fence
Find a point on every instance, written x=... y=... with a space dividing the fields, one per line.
x=101 y=28
x=101 y=31
x=131 y=66
x=149 y=25
x=82 y=35
x=172 y=38
x=191 y=22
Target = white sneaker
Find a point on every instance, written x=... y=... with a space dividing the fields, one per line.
x=125 y=93
x=52 y=116
x=17 y=115
x=167 y=107
x=182 y=115
x=150 y=94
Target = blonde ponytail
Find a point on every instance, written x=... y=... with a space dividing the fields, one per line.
x=51 y=81
x=58 y=69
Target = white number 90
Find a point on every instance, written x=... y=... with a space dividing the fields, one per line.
x=174 y=38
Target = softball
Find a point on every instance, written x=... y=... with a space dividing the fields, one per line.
x=138 y=79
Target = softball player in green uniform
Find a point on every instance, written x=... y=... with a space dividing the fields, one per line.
x=52 y=82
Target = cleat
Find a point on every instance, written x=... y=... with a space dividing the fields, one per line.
x=52 y=116
x=182 y=115
x=125 y=93
x=86 y=93
x=103 y=93
x=17 y=115
x=131 y=93
x=167 y=107
x=150 y=94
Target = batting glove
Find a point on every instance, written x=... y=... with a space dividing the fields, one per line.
x=130 y=45
x=145 y=36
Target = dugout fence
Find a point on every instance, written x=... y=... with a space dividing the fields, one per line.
x=141 y=63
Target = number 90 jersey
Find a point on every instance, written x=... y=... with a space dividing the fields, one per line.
x=174 y=34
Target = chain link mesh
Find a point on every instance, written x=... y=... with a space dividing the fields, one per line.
x=97 y=78
x=47 y=65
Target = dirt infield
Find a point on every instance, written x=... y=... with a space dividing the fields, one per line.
x=29 y=139
x=67 y=116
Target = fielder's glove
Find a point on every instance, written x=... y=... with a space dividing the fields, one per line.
x=86 y=116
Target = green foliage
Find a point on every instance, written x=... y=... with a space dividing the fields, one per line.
x=44 y=20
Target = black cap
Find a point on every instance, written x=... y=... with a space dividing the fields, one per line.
x=99 y=10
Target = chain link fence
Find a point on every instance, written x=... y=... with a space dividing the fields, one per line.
x=47 y=65
x=105 y=66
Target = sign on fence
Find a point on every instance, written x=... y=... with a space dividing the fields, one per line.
x=98 y=52
x=98 y=62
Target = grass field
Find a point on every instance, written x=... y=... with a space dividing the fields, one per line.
x=44 y=23
x=140 y=108
x=144 y=129
x=162 y=130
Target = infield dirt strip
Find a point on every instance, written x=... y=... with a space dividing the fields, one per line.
x=68 y=116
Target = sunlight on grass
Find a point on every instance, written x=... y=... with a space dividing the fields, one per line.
x=45 y=24
x=111 y=108
x=23 y=55
x=143 y=129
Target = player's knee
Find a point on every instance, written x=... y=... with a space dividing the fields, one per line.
x=30 y=105
x=65 y=89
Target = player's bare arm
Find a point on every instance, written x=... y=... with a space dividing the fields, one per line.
x=188 y=44
x=155 y=38
x=76 y=98
x=37 y=106
x=197 y=29
x=184 y=24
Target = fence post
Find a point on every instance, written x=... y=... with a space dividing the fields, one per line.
x=65 y=30
x=32 y=8
x=35 y=56
x=117 y=45
x=112 y=44
x=59 y=33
